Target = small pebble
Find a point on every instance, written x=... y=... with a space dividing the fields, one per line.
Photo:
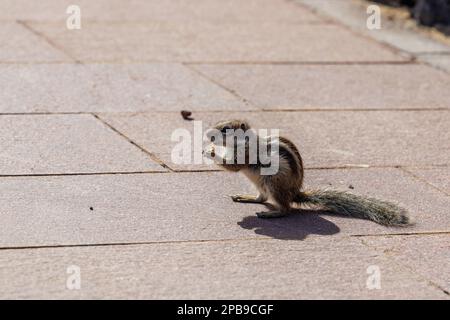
x=91 y=208
x=186 y=115
x=351 y=187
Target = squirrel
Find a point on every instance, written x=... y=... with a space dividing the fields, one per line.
x=284 y=188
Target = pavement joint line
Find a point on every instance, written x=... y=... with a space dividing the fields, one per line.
x=360 y=166
x=262 y=62
x=198 y=241
x=353 y=109
x=150 y=154
x=402 y=53
x=405 y=266
x=42 y=113
x=197 y=170
x=31 y=175
x=152 y=21
x=29 y=63
x=413 y=233
x=180 y=171
x=423 y=180
x=24 y=24
x=433 y=53
x=220 y=85
x=430 y=282
x=137 y=243
x=99 y=113
x=313 y=63
x=351 y=166
x=284 y=110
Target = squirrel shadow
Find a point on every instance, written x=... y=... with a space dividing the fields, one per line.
x=296 y=226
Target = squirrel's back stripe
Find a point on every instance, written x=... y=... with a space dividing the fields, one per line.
x=288 y=151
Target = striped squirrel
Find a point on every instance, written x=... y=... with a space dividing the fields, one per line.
x=284 y=188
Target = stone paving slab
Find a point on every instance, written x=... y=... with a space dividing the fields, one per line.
x=56 y=144
x=153 y=131
x=144 y=10
x=17 y=44
x=316 y=269
x=438 y=177
x=325 y=139
x=125 y=208
x=335 y=86
x=428 y=256
x=109 y=87
x=203 y=41
x=161 y=207
x=396 y=32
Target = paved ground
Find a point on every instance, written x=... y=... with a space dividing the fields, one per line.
x=88 y=186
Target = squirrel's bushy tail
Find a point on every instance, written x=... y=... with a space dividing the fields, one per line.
x=348 y=204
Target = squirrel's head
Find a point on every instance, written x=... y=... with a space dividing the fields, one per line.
x=235 y=146
x=223 y=126
x=228 y=139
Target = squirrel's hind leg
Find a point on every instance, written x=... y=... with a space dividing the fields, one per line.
x=271 y=214
x=282 y=204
